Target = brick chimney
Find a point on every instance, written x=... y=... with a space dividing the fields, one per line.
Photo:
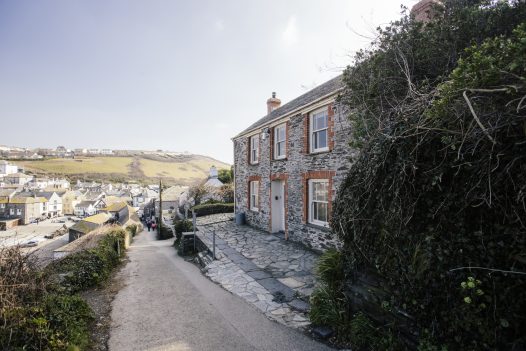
x=424 y=10
x=273 y=103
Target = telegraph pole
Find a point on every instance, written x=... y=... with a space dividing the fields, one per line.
x=160 y=218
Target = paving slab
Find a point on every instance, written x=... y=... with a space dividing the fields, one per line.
x=277 y=274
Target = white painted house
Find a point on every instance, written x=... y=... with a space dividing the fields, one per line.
x=6 y=168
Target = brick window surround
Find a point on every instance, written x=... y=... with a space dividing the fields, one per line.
x=252 y=179
x=284 y=177
x=305 y=180
x=330 y=130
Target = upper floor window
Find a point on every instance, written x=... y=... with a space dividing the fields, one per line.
x=280 y=142
x=319 y=124
x=319 y=202
x=254 y=149
x=254 y=195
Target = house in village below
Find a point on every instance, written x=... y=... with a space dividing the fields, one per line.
x=87 y=225
x=85 y=208
x=53 y=205
x=17 y=178
x=70 y=199
x=26 y=209
x=118 y=211
x=289 y=164
x=6 y=168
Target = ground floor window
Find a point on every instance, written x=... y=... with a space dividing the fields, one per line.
x=254 y=195
x=319 y=202
x=18 y=212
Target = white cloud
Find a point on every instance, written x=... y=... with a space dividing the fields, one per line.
x=290 y=34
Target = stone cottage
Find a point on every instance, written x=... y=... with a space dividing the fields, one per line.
x=288 y=165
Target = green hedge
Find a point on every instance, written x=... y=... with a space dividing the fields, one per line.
x=90 y=267
x=44 y=311
x=213 y=208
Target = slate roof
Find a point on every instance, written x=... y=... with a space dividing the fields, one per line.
x=84 y=227
x=100 y=218
x=85 y=204
x=326 y=88
x=115 y=207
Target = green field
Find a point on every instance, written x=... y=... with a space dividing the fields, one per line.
x=81 y=165
x=183 y=170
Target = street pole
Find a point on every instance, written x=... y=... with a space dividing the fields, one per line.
x=160 y=219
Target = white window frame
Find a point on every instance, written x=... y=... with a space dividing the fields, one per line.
x=254 y=195
x=312 y=202
x=11 y=211
x=254 y=149
x=280 y=141
x=18 y=212
x=2 y=205
x=312 y=131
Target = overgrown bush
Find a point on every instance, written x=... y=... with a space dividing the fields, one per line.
x=89 y=268
x=435 y=202
x=181 y=226
x=165 y=232
x=38 y=307
x=133 y=229
x=214 y=208
x=329 y=305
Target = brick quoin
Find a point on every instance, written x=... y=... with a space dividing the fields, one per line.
x=251 y=179
x=287 y=127
x=305 y=180
x=285 y=178
x=306 y=133
x=271 y=142
x=330 y=125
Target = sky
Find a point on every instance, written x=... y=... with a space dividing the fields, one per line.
x=170 y=75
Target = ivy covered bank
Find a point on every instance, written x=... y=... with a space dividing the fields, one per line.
x=433 y=210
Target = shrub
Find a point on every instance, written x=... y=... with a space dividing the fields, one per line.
x=438 y=186
x=208 y=209
x=165 y=232
x=329 y=305
x=181 y=226
x=133 y=229
x=37 y=313
x=90 y=267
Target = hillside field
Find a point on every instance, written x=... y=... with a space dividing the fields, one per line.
x=183 y=170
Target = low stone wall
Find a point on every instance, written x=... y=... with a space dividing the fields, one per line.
x=9 y=223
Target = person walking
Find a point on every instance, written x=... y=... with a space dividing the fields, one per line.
x=154 y=225
x=148 y=224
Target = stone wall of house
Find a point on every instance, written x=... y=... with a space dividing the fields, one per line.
x=296 y=169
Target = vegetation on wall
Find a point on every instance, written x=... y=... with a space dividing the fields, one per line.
x=213 y=208
x=434 y=205
x=39 y=308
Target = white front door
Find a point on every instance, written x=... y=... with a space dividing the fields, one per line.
x=277 y=189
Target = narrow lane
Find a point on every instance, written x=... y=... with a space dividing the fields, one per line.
x=167 y=304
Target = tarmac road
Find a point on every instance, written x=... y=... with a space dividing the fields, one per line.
x=167 y=304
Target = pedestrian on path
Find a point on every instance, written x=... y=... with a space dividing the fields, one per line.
x=154 y=225
x=148 y=224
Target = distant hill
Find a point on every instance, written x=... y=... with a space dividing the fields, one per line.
x=175 y=169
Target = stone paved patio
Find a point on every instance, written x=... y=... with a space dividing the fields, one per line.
x=274 y=275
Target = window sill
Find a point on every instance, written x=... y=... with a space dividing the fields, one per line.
x=255 y=210
x=319 y=227
x=317 y=152
x=253 y=164
x=279 y=159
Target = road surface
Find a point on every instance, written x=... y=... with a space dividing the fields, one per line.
x=167 y=304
